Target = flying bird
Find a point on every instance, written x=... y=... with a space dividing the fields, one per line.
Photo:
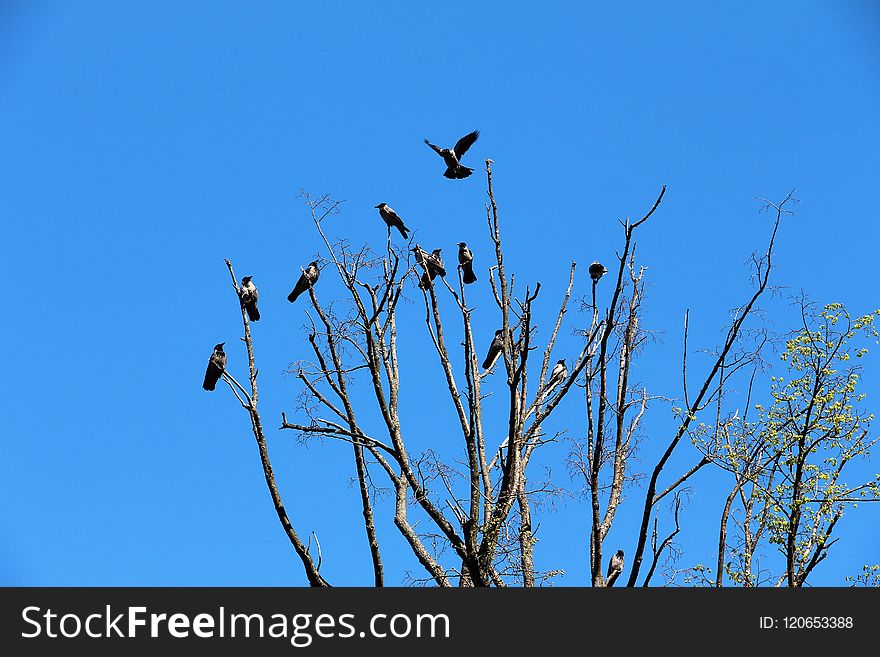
x=308 y=278
x=615 y=567
x=494 y=350
x=597 y=271
x=248 y=295
x=452 y=156
x=391 y=218
x=466 y=260
x=433 y=264
x=216 y=365
x=557 y=376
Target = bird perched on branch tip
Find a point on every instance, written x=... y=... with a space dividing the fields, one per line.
x=216 y=365
x=452 y=156
x=392 y=219
x=615 y=567
x=307 y=278
x=433 y=264
x=248 y=295
x=466 y=260
x=597 y=271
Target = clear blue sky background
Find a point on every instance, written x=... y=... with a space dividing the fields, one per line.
x=143 y=143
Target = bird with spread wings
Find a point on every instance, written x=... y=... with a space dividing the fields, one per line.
x=452 y=156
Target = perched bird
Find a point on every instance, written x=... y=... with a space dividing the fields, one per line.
x=248 y=295
x=420 y=255
x=452 y=156
x=615 y=567
x=309 y=277
x=494 y=350
x=466 y=260
x=433 y=264
x=557 y=376
x=597 y=271
x=391 y=218
x=216 y=365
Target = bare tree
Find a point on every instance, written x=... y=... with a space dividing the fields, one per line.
x=476 y=522
x=248 y=401
x=469 y=520
x=615 y=407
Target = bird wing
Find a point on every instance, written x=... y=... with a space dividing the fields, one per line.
x=463 y=144
x=249 y=301
x=301 y=286
x=420 y=255
x=468 y=270
x=212 y=375
x=494 y=351
x=436 y=149
x=438 y=266
x=216 y=365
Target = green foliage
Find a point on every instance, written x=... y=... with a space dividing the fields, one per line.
x=790 y=461
x=698 y=576
x=870 y=576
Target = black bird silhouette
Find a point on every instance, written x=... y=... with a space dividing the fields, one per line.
x=494 y=350
x=216 y=365
x=307 y=278
x=466 y=260
x=615 y=567
x=597 y=271
x=248 y=295
x=433 y=263
x=391 y=218
x=452 y=156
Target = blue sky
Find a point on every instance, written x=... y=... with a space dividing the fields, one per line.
x=141 y=144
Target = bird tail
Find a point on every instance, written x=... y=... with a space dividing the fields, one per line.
x=211 y=377
x=404 y=232
x=469 y=275
x=298 y=289
x=253 y=313
x=458 y=172
x=550 y=386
